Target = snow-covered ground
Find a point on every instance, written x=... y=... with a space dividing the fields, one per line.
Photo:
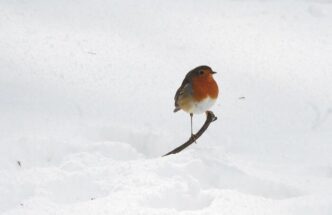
x=86 y=107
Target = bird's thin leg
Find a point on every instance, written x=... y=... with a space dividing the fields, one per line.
x=191 y=123
x=191 y=126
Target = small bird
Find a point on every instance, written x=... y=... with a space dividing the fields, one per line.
x=197 y=93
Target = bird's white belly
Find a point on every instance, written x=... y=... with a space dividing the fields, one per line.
x=202 y=106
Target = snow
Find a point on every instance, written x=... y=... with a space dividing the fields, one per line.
x=86 y=94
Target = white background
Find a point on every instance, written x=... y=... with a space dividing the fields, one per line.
x=86 y=107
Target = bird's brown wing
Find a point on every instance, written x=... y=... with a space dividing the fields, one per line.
x=182 y=91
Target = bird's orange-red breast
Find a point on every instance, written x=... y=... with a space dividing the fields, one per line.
x=198 y=91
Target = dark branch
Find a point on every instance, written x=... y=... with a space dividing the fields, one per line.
x=210 y=117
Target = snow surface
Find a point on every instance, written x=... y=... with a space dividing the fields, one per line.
x=86 y=94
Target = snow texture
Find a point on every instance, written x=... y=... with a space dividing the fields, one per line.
x=86 y=94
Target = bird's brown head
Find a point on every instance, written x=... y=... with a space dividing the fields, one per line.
x=201 y=73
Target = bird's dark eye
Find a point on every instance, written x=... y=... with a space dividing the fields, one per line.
x=201 y=72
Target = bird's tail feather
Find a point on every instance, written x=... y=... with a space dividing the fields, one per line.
x=176 y=109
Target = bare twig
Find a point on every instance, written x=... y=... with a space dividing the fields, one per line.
x=210 y=117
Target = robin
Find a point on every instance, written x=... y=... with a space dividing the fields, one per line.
x=197 y=93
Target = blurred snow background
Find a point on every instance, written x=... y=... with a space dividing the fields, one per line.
x=86 y=100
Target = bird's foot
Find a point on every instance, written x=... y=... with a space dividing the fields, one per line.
x=193 y=136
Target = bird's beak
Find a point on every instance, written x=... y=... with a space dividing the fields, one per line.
x=213 y=72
